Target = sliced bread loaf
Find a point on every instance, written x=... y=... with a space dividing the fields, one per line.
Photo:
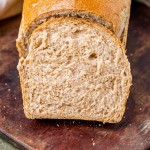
x=73 y=68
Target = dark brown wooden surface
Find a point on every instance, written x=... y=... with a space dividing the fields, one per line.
x=132 y=133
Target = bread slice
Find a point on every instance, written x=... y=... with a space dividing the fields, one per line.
x=75 y=69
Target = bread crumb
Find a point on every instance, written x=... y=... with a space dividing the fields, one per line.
x=131 y=54
x=93 y=143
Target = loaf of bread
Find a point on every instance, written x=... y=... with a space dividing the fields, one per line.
x=73 y=62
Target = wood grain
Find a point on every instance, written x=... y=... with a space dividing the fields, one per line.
x=132 y=133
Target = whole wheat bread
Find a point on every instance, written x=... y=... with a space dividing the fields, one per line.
x=73 y=67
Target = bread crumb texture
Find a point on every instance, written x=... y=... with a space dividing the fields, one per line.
x=74 y=69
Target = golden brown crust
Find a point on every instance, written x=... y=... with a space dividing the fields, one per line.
x=112 y=10
x=114 y=14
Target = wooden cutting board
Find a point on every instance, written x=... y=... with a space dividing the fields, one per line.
x=132 y=133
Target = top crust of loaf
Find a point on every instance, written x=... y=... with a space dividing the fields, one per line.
x=114 y=11
x=114 y=15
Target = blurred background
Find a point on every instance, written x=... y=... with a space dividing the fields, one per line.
x=9 y=8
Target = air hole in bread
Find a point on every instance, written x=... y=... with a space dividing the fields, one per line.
x=93 y=56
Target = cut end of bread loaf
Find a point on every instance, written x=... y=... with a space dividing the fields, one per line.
x=74 y=69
